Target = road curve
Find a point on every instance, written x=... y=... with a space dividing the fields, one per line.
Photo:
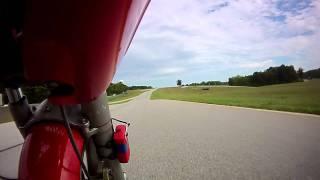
x=183 y=140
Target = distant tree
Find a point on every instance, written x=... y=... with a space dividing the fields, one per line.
x=36 y=94
x=315 y=73
x=209 y=83
x=240 y=81
x=117 y=88
x=272 y=75
x=179 y=82
x=300 y=73
x=139 y=87
x=230 y=82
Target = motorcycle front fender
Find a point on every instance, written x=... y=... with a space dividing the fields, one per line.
x=48 y=154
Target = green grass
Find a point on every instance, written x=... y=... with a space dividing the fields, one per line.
x=119 y=102
x=295 y=97
x=125 y=96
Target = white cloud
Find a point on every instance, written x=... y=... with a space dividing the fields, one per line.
x=255 y=64
x=193 y=35
x=170 y=70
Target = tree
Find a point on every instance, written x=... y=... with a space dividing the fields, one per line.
x=315 y=73
x=139 y=87
x=179 y=82
x=273 y=75
x=300 y=73
x=35 y=94
x=240 y=80
x=117 y=88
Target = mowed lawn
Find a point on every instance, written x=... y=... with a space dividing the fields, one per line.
x=125 y=96
x=295 y=97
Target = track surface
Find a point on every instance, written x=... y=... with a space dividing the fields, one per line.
x=182 y=140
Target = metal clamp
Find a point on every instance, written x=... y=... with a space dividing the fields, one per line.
x=124 y=122
x=87 y=132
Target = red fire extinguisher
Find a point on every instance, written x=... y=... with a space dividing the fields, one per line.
x=120 y=138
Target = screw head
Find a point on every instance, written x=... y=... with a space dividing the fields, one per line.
x=47 y=109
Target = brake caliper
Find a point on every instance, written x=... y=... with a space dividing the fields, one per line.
x=120 y=138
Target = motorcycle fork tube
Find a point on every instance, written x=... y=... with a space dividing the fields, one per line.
x=98 y=114
x=19 y=108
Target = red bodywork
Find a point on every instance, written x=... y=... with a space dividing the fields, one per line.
x=48 y=154
x=78 y=42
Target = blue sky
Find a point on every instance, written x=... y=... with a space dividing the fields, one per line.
x=200 y=40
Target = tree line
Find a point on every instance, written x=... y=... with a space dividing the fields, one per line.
x=272 y=75
x=120 y=87
x=139 y=87
x=208 y=83
x=116 y=88
x=37 y=94
x=315 y=73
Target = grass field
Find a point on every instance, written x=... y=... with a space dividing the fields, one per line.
x=295 y=97
x=123 y=97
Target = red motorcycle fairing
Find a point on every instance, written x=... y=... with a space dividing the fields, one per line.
x=78 y=42
x=48 y=154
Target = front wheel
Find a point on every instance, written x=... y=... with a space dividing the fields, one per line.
x=48 y=154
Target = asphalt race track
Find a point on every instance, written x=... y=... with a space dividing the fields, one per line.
x=183 y=140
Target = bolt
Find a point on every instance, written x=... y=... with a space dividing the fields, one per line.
x=85 y=122
x=47 y=109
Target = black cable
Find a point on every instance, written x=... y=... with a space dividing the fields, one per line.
x=5 y=178
x=75 y=148
x=85 y=145
x=5 y=149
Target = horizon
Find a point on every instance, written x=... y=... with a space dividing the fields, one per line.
x=184 y=83
x=201 y=41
